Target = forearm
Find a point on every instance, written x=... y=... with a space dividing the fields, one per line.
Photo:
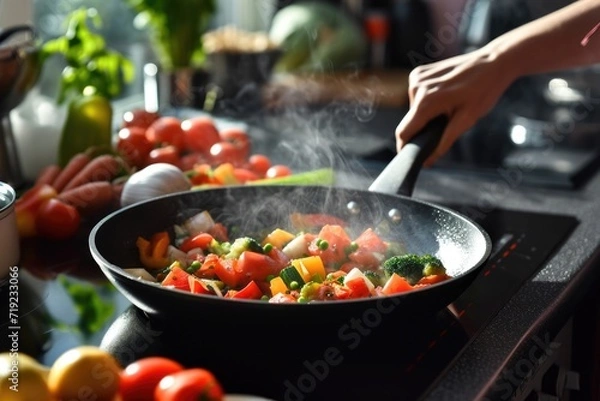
x=553 y=42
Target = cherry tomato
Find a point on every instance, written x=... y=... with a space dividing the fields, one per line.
x=166 y=154
x=278 y=170
x=166 y=131
x=189 y=385
x=239 y=138
x=226 y=152
x=259 y=164
x=139 y=379
x=244 y=175
x=199 y=134
x=139 y=118
x=57 y=220
x=133 y=145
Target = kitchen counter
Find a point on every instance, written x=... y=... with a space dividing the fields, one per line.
x=537 y=311
x=543 y=304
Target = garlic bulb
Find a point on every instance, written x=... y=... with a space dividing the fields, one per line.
x=154 y=180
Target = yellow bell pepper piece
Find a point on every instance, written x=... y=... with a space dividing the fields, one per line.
x=278 y=238
x=277 y=285
x=310 y=268
x=224 y=174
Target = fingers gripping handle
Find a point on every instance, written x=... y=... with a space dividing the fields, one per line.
x=400 y=175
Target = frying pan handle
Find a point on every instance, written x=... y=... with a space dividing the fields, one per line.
x=400 y=175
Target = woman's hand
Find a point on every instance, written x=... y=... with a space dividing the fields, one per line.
x=463 y=87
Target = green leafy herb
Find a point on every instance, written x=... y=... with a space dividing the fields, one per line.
x=178 y=27
x=91 y=66
x=93 y=310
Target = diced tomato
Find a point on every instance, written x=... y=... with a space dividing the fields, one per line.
x=226 y=271
x=278 y=256
x=177 y=278
x=395 y=285
x=250 y=291
x=371 y=249
x=256 y=266
x=306 y=221
x=358 y=288
x=197 y=286
x=202 y=241
x=341 y=292
x=219 y=232
x=369 y=240
x=337 y=243
x=208 y=268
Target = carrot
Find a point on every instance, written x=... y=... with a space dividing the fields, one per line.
x=47 y=175
x=89 y=198
x=100 y=168
x=74 y=166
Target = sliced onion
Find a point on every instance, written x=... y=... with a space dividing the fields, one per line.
x=140 y=273
x=296 y=248
x=199 y=223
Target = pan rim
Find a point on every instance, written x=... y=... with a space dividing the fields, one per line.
x=109 y=268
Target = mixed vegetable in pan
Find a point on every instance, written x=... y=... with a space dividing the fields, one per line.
x=318 y=259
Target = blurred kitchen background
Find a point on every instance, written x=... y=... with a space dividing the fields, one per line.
x=544 y=129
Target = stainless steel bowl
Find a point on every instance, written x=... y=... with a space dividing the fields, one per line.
x=9 y=236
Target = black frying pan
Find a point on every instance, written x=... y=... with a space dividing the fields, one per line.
x=424 y=227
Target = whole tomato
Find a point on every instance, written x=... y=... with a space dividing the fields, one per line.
x=133 y=145
x=166 y=131
x=239 y=138
x=278 y=170
x=166 y=154
x=227 y=152
x=57 y=220
x=139 y=118
x=199 y=134
x=139 y=379
x=189 y=385
x=259 y=164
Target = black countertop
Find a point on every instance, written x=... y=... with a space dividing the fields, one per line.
x=544 y=303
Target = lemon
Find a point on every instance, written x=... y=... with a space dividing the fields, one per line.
x=85 y=372
x=22 y=378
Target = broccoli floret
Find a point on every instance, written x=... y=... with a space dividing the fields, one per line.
x=413 y=267
x=374 y=277
x=408 y=266
x=220 y=248
x=432 y=265
x=241 y=245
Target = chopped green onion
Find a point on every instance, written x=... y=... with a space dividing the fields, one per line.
x=267 y=248
x=193 y=267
